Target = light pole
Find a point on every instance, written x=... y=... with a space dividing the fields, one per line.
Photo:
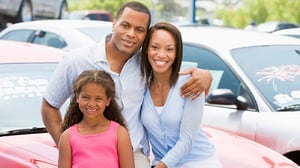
x=193 y=11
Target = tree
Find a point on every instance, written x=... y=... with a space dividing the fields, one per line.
x=260 y=11
x=112 y=6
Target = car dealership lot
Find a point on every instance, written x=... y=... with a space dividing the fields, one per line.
x=24 y=142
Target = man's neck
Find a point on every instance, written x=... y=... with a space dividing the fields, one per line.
x=115 y=58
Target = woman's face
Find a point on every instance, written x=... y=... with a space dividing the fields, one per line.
x=161 y=51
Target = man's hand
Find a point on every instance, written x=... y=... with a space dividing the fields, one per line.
x=161 y=165
x=52 y=120
x=200 y=81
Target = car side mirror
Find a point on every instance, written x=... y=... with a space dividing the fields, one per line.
x=227 y=97
x=40 y=33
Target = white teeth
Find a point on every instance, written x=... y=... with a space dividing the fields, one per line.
x=92 y=110
x=160 y=63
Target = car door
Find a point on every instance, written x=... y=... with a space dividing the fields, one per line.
x=224 y=117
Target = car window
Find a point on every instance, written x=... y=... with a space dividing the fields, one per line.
x=99 y=16
x=21 y=89
x=223 y=77
x=49 y=39
x=18 y=35
x=277 y=73
x=287 y=26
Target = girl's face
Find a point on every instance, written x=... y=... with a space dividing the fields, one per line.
x=161 y=51
x=92 y=100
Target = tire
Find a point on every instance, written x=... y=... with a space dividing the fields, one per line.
x=63 y=10
x=3 y=23
x=25 y=12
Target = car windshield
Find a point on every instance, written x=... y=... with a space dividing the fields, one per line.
x=275 y=70
x=21 y=90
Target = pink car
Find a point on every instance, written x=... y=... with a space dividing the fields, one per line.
x=24 y=142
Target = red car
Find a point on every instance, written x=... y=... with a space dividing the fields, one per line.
x=103 y=15
x=24 y=142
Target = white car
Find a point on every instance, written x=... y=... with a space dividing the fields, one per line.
x=293 y=32
x=256 y=84
x=64 y=34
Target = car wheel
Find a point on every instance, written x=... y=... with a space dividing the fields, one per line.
x=25 y=12
x=63 y=11
x=3 y=23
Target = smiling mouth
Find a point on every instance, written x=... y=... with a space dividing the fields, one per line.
x=91 y=110
x=160 y=63
x=129 y=43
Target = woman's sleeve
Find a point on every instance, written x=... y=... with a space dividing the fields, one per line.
x=189 y=128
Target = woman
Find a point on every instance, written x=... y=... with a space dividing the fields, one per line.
x=171 y=121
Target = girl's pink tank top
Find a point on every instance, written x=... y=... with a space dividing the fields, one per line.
x=99 y=150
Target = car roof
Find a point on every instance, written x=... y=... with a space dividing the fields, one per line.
x=277 y=23
x=68 y=29
x=273 y=26
x=87 y=11
x=228 y=38
x=20 y=52
x=57 y=25
x=288 y=31
x=63 y=24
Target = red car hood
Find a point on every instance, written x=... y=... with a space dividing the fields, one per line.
x=24 y=151
x=237 y=152
x=39 y=150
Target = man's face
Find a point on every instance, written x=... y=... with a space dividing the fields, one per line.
x=129 y=31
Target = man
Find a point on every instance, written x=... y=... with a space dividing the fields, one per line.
x=119 y=55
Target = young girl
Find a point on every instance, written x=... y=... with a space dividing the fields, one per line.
x=94 y=129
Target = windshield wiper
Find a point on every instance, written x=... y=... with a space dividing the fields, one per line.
x=294 y=107
x=33 y=130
